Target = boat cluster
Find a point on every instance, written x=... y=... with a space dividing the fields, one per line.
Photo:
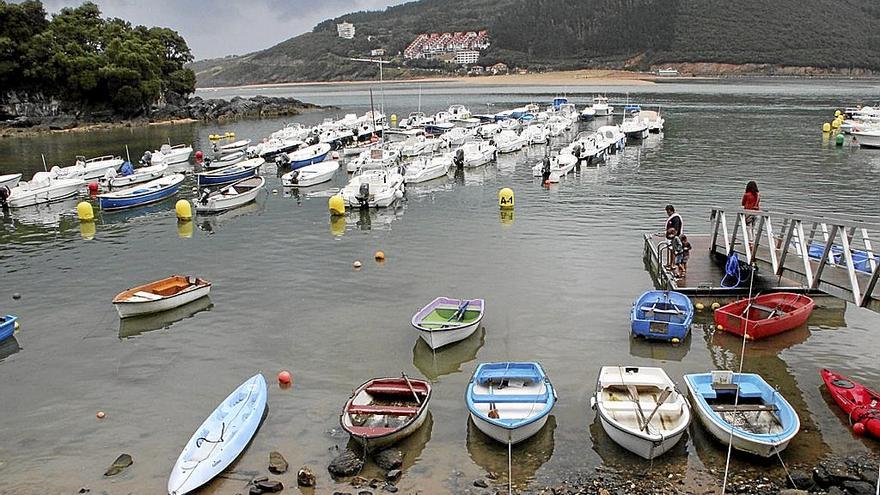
x=863 y=123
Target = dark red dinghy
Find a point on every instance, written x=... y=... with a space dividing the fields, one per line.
x=860 y=403
x=765 y=315
x=383 y=411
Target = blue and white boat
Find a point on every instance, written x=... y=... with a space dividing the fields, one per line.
x=305 y=156
x=144 y=194
x=232 y=173
x=662 y=315
x=7 y=326
x=510 y=401
x=743 y=410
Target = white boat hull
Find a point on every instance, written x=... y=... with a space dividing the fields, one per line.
x=128 y=309
x=218 y=203
x=641 y=445
x=311 y=175
x=57 y=190
x=867 y=139
x=438 y=339
x=505 y=435
x=372 y=444
x=10 y=180
x=139 y=176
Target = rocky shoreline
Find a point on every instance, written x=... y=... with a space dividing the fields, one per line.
x=174 y=111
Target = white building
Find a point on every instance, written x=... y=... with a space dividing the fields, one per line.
x=466 y=57
x=345 y=30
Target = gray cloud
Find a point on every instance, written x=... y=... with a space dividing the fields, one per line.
x=216 y=29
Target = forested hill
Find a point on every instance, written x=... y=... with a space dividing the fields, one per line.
x=566 y=34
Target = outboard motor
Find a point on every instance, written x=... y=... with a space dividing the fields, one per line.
x=364 y=195
x=545 y=169
x=147 y=158
x=203 y=199
x=282 y=160
x=458 y=159
x=5 y=192
x=577 y=151
x=312 y=140
x=294 y=177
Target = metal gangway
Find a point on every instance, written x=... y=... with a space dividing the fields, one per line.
x=831 y=254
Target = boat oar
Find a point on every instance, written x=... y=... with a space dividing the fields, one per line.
x=459 y=313
x=660 y=400
x=634 y=395
x=411 y=389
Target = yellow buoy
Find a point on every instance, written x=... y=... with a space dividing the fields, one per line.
x=675 y=340
x=337 y=225
x=87 y=230
x=337 y=205
x=837 y=113
x=16 y=326
x=505 y=198
x=85 y=212
x=715 y=306
x=835 y=124
x=826 y=127
x=393 y=119
x=185 y=229
x=232 y=134
x=699 y=306
x=183 y=209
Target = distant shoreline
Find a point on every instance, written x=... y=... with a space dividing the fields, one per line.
x=583 y=77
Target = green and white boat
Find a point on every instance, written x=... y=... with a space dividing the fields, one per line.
x=445 y=321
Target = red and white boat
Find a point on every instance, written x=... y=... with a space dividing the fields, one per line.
x=764 y=315
x=384 y=411
x=860 y=403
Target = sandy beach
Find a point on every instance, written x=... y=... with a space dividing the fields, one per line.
x=591 y=77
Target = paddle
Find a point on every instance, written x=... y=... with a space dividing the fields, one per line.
x=634 y=395
x=660 y=400
x=459 y=313
x=493 y=411
x=411 y=389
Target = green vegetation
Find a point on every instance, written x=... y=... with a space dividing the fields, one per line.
x=85 y=61
x=564 y=34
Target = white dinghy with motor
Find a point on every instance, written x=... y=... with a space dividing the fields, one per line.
x=237 y=194
x=43 y=188
x=427 y=168
x=221 y=438
x=310 y=175
x=640 y=409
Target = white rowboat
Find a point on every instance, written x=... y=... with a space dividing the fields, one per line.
x=160 y=295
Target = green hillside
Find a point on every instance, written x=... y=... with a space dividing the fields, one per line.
x=564 y=34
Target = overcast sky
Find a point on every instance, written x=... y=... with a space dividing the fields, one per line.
x=222 y=27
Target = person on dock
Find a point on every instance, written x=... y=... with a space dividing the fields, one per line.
x=676 y=249
x=673 y=221
x=685 y=255
x=751 y=200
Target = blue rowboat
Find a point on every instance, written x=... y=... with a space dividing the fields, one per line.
x=308 y=155
x=743 y=410
x=144 y=194
x=7 y=326
x=662 y=315
x=232 y=173
x=510 y=401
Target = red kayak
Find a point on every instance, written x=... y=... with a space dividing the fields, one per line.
x=860 y=403
x=764 y=315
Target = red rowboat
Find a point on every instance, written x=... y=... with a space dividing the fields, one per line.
x=383 y=411
x=860 y=403
x=764 y=315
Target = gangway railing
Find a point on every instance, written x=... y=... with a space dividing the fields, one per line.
x=833 y=254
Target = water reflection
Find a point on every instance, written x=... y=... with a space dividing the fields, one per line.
x=372 y=218
x=132 y=327
x=8 y=347
x=449 y=359
x=528 y=456
x=122 y=217
x=45 y=215
x=411 y=446
x=214 y=223
x=663 y=351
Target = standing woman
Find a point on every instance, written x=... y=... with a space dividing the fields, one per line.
x=751 y=200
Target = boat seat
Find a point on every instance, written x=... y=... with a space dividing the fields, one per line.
x=509 y=374
x=383 y=410
x=745 y=389
x=744 y=407
x=147 y=295
x=652 y=309
x=390 y=389
x=647 y=407
x=509 y=398
x=768 y=309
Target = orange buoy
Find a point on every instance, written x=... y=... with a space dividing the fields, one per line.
x=380 y=256
x=284 y=378
x=100 y=415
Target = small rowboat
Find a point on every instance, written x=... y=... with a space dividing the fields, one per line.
x=743 y=410
x=640 y=409
x=221 y=438
x=140 y=175
x=764 y=315
x=231 y=196
x=225 y=160
x=239 y=145
x=144 y=194
x=232 y=173
x=508 y=401
x=383 y=411
x=310 y=175
x=445 y=321
x=306 y=156
x=860 y=403
x=9 y=180
x=7 y=326
x=662 y=315
x=160 y=295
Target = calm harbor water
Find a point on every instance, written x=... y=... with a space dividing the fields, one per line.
x=559 y=277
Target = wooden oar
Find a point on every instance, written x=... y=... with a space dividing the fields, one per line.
x=411 y=389
x=634 y=395
x=660 y=400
